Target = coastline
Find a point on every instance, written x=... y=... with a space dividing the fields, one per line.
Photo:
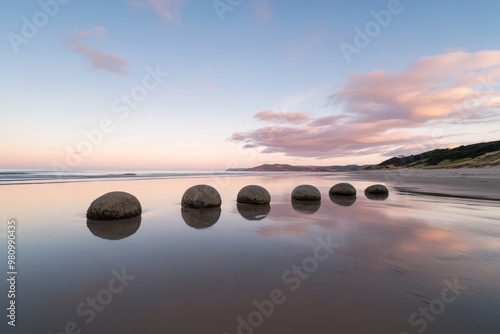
x=474 y=183
x=469 y=183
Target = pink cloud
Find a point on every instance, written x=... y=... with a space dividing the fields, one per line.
x=379 y=111
x=282 y=117
x=167 y=9
x=262 y=9
x=94 y=31
x=431 y=87
x=327 y=121
x=99 y=59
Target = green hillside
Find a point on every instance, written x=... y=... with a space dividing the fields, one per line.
x=475 y=155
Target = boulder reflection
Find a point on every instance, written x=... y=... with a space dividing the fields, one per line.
x=114 y=229
x=307 y=207
x=200 y=218
x=253 y=212
x=343 y=200
x=377 y=197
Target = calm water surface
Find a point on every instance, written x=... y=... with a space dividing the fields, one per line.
x=406 y=264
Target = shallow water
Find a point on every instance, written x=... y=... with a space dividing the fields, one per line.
x=407 y=264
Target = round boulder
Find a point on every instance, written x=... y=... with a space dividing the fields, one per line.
x=253 y=195
x=306 y=192
x=343 y=189
x=113 y=206
x=201 y=196
x=377 y=189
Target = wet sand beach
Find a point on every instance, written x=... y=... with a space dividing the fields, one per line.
x=461 y=182
x=410 y=263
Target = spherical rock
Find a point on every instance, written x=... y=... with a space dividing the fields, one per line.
x=343 y=189
x=377 y=189
x=201 y=196
x=253 y=195
x=113 y=206
x=306 y=192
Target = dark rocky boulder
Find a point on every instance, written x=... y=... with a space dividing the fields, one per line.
x=113 y=206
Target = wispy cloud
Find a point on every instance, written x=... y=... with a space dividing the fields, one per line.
x=99 y=59
x=381 y=111
x=282 y=117
x=94 y=31
x=167 y=9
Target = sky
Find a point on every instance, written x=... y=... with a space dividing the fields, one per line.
x=210 y=85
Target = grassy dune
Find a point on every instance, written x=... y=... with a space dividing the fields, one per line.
x=471 y=156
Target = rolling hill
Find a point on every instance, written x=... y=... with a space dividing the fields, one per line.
x=472 y=156
x=290 y=168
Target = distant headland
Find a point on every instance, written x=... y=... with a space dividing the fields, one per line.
x=470 y=156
